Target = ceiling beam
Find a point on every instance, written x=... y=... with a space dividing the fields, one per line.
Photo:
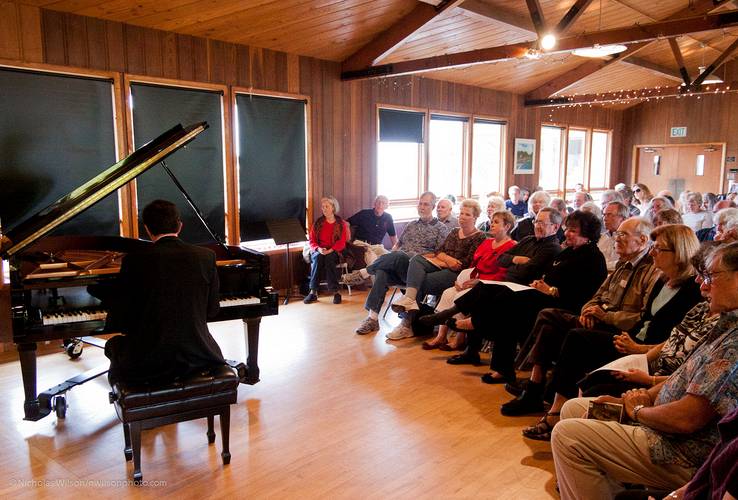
x=656 y=68
x=716 y=63
x=571 y=16
x=536 y=16
x=680 y=60
x=633 y=95
x=499 y=14
x=559 y=83
x=394 y=36
x=637 y=33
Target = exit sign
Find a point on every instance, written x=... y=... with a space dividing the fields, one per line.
x=679 y=131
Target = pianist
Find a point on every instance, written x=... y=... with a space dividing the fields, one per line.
x=166 y=294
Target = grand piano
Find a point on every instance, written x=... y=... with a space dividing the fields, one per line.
x=53 y=287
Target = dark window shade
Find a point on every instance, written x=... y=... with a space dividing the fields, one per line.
x=198 y=166
x=56 y=133
x=271 y=162
x=448 y=118
x=489 y=122
x=400 y=126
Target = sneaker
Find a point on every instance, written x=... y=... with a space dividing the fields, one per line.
x=336 y=298
x=367 y=326
x=353 y=278
x=404 y=304
x=401 y=332
x=311 y=297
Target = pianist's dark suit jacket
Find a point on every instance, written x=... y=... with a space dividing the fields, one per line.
x=166 y=295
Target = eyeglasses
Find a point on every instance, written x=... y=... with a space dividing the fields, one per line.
x=637 y=190
x=541 y=223
x=621 y=234
x=657 y=249
x=709 y=276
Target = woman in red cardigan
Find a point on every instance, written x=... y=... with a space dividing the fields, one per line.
x=327 y=240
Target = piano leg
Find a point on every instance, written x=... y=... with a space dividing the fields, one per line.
x=251 y=334
x=32 y=408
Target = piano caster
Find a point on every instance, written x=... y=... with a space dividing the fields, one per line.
x=73 y=348
x=60 y=406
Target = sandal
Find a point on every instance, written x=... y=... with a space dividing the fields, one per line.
x=542 y=430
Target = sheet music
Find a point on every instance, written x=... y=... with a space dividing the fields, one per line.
x=512 y=286
x=630 y=362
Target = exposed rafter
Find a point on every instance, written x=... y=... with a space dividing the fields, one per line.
x=571 y=16
x=655 y=68
x=536 y=16
x=716 y=63
x=680 y=60
x=499 y=14
x=637 y=33
x=697 y=7
x=397 y=34
x=633 y=95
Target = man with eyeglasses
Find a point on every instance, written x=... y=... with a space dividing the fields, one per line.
x=424 y=235
x=617 y=306
x=613 y=215
x=672 y=427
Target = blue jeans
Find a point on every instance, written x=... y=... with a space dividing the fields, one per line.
x=388 y=270
x=427 y=278
x=324 y=264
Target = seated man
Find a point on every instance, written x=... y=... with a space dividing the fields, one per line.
x=425 y=235
x=677 y=419
x=708 y=233
x=445 y=213
x=369 y=227
x=614 y=215
x=166 y=294
x=515 y=204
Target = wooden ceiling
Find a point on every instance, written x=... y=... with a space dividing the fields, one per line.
x=337 y=30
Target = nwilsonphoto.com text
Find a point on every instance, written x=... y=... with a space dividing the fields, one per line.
x=85 y=483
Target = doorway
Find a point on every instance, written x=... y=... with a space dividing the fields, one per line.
x=697 y=167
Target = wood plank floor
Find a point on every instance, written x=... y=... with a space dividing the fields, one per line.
x=336 y=415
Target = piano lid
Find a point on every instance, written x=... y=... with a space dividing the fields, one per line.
x=97 y=188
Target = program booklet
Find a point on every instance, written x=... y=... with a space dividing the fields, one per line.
x=604 y=374
x=606 y=411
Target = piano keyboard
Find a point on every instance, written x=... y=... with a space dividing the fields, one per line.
x=78 y=316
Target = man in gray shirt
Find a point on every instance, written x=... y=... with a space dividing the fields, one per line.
x=424 y=235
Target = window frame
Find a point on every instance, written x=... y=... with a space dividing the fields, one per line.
x=423 y=166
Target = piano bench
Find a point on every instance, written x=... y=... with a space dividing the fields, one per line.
x=146 y=406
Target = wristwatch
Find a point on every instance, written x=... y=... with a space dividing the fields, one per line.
x=636 y=409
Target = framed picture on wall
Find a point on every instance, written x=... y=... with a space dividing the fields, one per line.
x=525 y=152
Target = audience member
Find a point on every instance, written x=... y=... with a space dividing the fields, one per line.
x=431 y=273
x=424 y=235
x=537 y=201
x=708 y=233
x=592 y=208
x=657 y=203
x=694 y=215
x=676 y=419
x=369 y=227
x=667 y=216
x=516 y=205
x=445 y=213
x=327 y=240
x=608 y=196
x=484 y=266
x=727 y=226
x=580 y=198
x=642 y=196
x=708 y=202
x=494 y=204
x=628 y=199
x=614 y=215
x=617 y=306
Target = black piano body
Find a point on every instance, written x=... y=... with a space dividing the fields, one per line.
x=58 y=287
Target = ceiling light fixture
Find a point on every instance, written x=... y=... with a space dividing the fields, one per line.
x=548 y=41
x=600 y=50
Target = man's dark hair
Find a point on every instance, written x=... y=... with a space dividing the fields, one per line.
x=588 y=223
x=161 y=217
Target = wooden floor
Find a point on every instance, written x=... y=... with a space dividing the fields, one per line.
x=336 y=415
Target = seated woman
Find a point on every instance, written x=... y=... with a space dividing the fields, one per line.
x=536 y=202
x=657 y=204
x=484 y=266
x=695 y=216
x=584 y=350
x=327 y=240
x=506 y=317
x=494 y=204
x=433 y=273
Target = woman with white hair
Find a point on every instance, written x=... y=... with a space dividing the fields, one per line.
x=694 y=215
x=536 y=202
x=327 y=240
x=494 y=204
x=657 y=204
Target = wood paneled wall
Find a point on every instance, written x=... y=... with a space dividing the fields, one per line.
x=343 y=130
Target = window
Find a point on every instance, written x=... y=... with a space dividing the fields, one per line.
x=575 y=154
x=446 y=152
x=487 y=156
x=587 y=159
x=550 y=157
x=455 y=161
x=600 y=160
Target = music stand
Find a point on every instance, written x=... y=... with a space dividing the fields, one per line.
x=284 y=232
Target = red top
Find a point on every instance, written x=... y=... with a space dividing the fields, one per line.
x=485 y=260
x=325 y=237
